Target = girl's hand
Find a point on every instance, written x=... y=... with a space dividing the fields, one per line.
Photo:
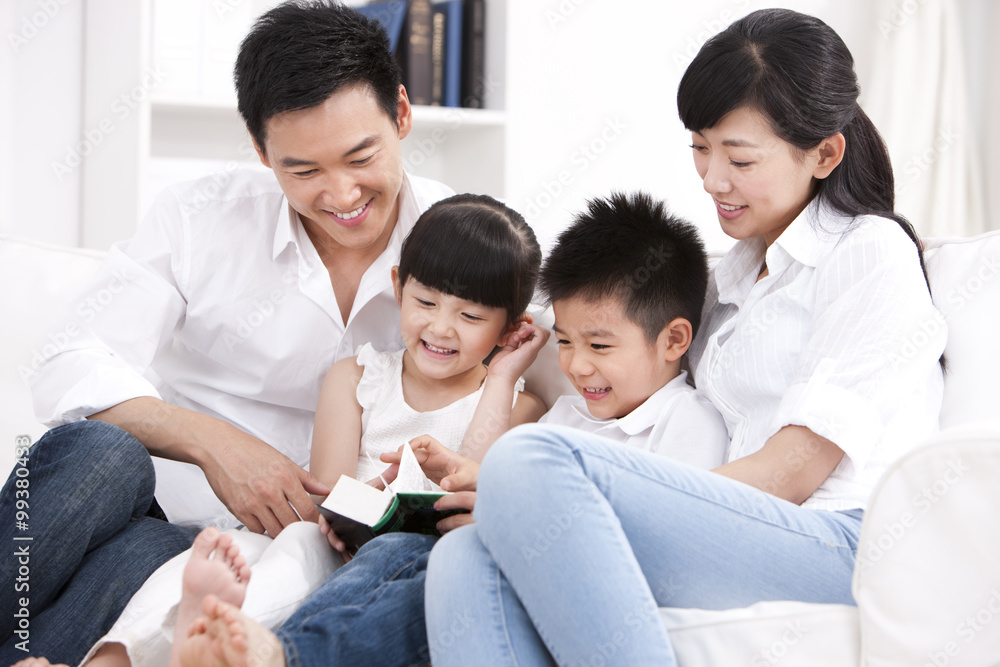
x=448 y=469
x=519 y=351
x=332 y=538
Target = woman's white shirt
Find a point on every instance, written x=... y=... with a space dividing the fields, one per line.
x=840 y=336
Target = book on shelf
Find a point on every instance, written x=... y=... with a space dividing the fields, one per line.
x=440 y=48
x=391 y=14
x=358 y=512
x=438 y=21
x=451 y=10
x=473 y=53
x=414 y=52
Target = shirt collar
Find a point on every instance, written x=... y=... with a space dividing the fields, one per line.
x=643 y=417
x=805 y=240
x=285 y=231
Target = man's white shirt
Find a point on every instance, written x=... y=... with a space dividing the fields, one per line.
x=221 y=304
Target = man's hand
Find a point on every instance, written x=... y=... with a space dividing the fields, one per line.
x=258 y=484
x=262 y=487
x=447 y=469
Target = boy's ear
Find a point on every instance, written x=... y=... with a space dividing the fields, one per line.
x=396 y=287
x=676 y=338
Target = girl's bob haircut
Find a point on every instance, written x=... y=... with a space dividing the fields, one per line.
x=475 y=248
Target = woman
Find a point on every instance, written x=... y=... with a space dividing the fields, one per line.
x=808 y=348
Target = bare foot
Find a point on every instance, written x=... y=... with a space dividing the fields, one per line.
x=224 y=636
x=216 y=568
x=36 y=662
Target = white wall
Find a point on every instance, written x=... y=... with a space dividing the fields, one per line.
x=40 y=117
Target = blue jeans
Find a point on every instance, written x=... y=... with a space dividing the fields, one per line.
x=86 y=545
x=578 y=540
x=369 y=612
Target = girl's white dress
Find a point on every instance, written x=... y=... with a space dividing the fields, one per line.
x=287 y=569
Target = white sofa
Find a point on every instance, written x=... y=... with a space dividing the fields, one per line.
x=928 y=580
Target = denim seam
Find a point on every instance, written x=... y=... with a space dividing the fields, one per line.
x=503 y=615
x=291 y=654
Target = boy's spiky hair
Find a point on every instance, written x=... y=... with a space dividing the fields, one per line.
x=630 y=248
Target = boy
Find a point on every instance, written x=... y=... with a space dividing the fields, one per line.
x=626 y=282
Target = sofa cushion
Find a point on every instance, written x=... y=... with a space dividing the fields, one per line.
x=965 y=281
x=42 y=281
x=789 y=634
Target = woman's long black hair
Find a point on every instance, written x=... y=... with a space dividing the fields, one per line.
x=797 y=71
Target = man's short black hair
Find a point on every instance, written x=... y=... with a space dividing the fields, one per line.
x=301 y=52
x=630 y=248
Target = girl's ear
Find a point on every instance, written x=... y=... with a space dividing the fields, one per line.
x=396 y=287
x=512 y=327
x=676 y=338
x=831 y=153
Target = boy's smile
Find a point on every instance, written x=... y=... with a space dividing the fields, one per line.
x=607 y=356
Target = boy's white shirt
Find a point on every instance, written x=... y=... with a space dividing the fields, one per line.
x=676 y=421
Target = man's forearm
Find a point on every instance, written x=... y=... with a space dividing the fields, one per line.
x=166 y=430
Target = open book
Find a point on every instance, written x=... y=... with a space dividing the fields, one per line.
x=357 y=512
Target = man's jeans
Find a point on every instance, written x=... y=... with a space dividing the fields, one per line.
x=369 y=612
x=578 y=540
x=83 y=544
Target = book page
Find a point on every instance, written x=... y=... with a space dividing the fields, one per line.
x=411 y=478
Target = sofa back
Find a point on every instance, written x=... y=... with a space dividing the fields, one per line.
x=965 y=281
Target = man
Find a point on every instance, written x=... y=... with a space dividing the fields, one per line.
x=225 y=311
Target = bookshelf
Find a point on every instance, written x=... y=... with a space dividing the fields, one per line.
x=156 y=79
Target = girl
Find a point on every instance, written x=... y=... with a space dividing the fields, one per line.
x=466 y=274
x=800 y=349
x=465 y=277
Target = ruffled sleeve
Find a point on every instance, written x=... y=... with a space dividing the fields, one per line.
x=381 y=368
x=518 y=388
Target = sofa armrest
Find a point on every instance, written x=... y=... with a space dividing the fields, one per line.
x=927 y=581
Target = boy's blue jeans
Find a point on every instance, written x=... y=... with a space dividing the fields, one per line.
x=578 y=540
x=84 y=544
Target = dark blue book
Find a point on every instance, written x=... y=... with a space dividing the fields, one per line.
x=452 y=9
x=391 y=15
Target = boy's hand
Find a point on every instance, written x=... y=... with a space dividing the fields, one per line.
x=465 y=500
x=332 y=538
x=519 y=351
x=449 y=470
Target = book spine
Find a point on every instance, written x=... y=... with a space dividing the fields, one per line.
x=473 y=52
x=453 y=53
x=439 y=26
x=415 y=52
